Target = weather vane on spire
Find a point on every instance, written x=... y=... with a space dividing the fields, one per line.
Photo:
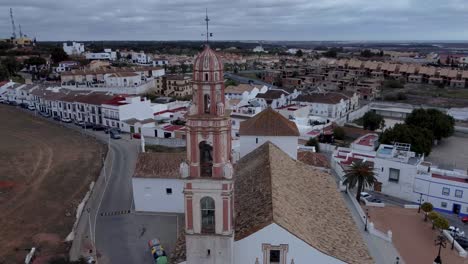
x=208 y=34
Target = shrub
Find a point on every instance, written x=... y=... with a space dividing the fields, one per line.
x=312 y=142
x=339 y=133
x=426 y=207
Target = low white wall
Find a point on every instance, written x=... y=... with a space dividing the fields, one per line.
x=461 y=251
x=411 y=206
x=150 y=195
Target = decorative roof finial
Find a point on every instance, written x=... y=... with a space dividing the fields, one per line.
x=208 y=34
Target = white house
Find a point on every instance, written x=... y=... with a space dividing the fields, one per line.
x=74 y=48
x=271 y=126
x=66 y=66
x=157 y=186
x=402 y=173
x=108 y=54
x=121 y=108
x=258 y=49
x=276 y=97
x=331 y=105
x=141 y=58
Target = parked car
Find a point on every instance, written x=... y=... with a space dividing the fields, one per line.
x=463 y=242
x=457 y=231
x=108 y=129
x=66 y=120
x=57 y=118
x=31 y=107
x=114 y=134
x=365 y=196
x=87 y=125
x=465 y=219
x=79 y=123
x=157 y=251
x=136 y=135
x=12 y=103
x=44 y=114
x=375 y=200
x=98 y=127
x=23 y=105
x=2 y=101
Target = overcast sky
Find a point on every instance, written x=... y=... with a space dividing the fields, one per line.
x=238 y=19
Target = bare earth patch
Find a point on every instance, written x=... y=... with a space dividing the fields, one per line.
x=45 y=170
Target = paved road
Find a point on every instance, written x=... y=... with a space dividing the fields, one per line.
x=120 y=234
x=242 y=79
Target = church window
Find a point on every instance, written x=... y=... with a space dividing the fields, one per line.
x=207 y=206
x=168 y=190
x=206 y=159
x=206 y=76
x=256 y=140
x=274 y=254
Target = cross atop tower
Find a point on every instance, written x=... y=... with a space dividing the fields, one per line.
x=208 y=34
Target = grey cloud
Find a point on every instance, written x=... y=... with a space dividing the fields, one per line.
x=238 y=19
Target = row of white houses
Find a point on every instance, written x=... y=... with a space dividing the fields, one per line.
x=129 y=113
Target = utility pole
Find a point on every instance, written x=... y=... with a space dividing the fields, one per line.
x=21 y=32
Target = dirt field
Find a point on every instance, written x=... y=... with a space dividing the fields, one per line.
x=45 y=170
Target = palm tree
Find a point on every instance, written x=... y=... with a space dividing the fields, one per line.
x=361 y=174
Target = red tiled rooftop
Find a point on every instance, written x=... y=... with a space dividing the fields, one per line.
x=449 y=178
x=171 y=110
x=172 y=128
x=117 y=100
x=367 y=140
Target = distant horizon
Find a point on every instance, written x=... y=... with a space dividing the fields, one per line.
x=262 y=40
x=244 y=20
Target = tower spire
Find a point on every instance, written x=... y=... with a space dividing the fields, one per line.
x=207 y=32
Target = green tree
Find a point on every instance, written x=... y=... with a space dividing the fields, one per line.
x=433 y=216
x=367 y=53
x=427 y=208
x=313 y=142
x=230 y=82
x=361 y=174
x=420 y=138
x=393 y=84
x=373 y=121
x=184 y=67
x=441 y=223
x=441 y=124
x=4 y=74
x=35 y=61
x=332 y=53
x=339 y=133
x=299 y=53
x=58 y=54
x=11 y=66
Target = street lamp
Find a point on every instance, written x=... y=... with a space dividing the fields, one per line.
x=420 y=200
x=454 y=236
x=440 y=241
x=366 y=217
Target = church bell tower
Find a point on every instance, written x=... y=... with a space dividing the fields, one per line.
x=208 y=172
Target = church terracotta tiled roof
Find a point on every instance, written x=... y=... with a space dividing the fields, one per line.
x=268 y=123
x=159 y=165
x=271 y=187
